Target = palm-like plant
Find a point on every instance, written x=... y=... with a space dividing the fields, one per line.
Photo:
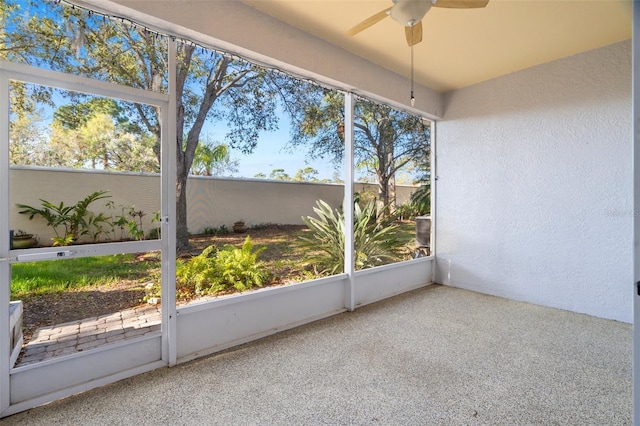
x=421 y=199
x=375 y=242
x=76 y=219
x=209 y=159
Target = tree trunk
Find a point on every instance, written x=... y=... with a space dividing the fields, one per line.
x=386 y=181
x=182 y=231
x=390 y=202
x=392 y=194
x=383 y=195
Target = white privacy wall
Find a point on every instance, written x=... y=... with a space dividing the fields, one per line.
x=535 y=185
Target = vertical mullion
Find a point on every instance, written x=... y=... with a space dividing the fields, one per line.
x=168 y=206
x=348 y=197
x=5 y=267
x=433 y=183
x=636 y=204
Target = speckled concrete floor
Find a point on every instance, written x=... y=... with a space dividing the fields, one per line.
x=435 y=356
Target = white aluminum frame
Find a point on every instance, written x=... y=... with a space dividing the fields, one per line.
x=636 y=208
x=245 y=317
x=168 y=202
x=5 y=268
x=434 y=190
x=20 y=387
x=349 y=256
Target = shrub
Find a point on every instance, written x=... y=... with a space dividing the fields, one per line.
x=239 y=267
x=375 y=243
x=212 y=230
x=129 y=222
x=198 y=271
x=406 y=211
x=364 y=198
x=156 y=233
x=215 y=270
x=78 y=221
x=263 y=225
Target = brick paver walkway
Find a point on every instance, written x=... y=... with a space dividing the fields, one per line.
x=76 y=336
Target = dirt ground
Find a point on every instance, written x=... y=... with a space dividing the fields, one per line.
x=72 y=305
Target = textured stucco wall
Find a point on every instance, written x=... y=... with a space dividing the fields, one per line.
x=534 y=196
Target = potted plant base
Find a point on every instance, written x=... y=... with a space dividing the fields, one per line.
x=21 y=240
x=239 y=227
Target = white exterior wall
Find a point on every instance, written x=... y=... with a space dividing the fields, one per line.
x=211 y=202
x=534 y=197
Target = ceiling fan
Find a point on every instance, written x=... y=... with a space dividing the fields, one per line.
x=409 y=13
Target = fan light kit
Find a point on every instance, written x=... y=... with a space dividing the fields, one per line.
x=409 y=13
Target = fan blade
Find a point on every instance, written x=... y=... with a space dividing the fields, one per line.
x=413 y=33
x=461 y=4
x=369 y=22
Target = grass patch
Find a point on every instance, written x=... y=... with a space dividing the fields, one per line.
x=284 y=260
x=38 y=278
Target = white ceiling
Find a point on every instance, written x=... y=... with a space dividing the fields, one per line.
x=463 y=47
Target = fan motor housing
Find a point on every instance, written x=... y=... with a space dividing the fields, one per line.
x=409 y=12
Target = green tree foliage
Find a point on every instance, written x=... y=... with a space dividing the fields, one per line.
x=385 y=139
x=80 y=111
x=308 y=174
x=212 y=159
x=279 y=174
x=28 y=141
x=98 y=141
x=210 y=86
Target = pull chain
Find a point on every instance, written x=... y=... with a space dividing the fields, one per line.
x=413 y=100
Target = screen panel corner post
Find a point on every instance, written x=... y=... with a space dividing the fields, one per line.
x=168 y=207
x=5 y=267
x=635 y=287
x=349 y=256
x=433 y=183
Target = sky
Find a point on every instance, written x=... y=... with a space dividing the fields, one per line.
x=270 y=154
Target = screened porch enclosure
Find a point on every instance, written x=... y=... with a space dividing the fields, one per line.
x=535 y=202
x=90 y=352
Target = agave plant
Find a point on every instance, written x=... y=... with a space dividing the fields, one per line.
x=375 y=243
x=421 y=199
